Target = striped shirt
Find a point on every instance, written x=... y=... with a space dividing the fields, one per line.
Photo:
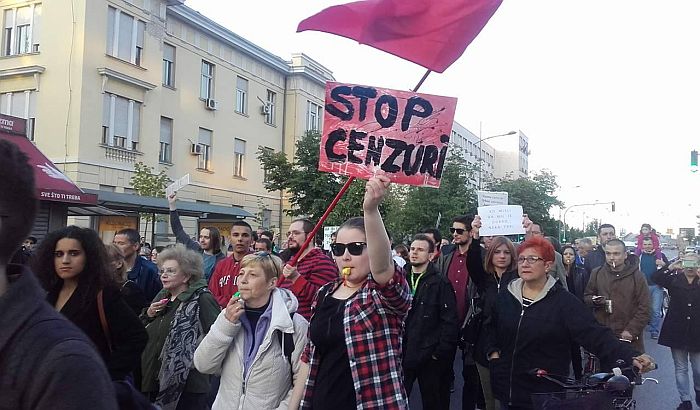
x=315 y=270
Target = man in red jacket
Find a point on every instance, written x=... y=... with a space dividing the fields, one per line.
x=224 y=281
x=313 y=270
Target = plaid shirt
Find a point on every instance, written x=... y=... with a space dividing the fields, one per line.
x=374 y=322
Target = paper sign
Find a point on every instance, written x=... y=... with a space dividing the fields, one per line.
x=488 y=198
x=175 y=186
x=400 y=134
x=501 y=220
x=327 y=232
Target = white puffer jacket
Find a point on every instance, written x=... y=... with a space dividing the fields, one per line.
x=268 y=384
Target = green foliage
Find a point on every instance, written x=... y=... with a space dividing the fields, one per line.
x=311 y=191
x=420 y=206
x=535 y=194
x=146 y=183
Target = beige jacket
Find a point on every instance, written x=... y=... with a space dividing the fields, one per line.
x=268 y=382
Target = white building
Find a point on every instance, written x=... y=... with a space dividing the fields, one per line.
x=512 y=155
x=474 y=151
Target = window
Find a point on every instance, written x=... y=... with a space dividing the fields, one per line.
x=165 y=154
x=205 y=137
x=21 y=104
x=121 y=122
x=206 y=88
x=21 y=30
x=125 y=36
x=270 y=107
x=241 y=95
x=313 y=117
x=268 y=151
x=238 y=157
x=168 y=65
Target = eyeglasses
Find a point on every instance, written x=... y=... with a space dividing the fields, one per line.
x=459 y=231
x=530 y=260
x=169 y=271
x=355 y=248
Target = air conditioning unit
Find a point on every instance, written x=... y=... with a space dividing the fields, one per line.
x=196 y=149
x=265 y=109
x=212 y=104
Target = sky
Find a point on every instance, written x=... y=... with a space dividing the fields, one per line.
x=608 y=92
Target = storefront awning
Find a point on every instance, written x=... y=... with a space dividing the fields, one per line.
x=51 y=183
x=137 y=203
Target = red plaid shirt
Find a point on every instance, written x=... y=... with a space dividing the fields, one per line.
x=374 y=323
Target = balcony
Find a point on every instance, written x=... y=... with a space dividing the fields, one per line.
x=120 y=154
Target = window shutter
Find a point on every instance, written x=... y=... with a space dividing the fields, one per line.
x=136 y=122
x=140 y=29
x=205 y=136
x=9 y=14
x=239 y=146
x=242 y=84
x=166 y=130
x=18 y=104
x=121 y=117
x=126 y=23
x=36 y=29
x=106 y=101
x=24 y=16
x=168 y=52
x=111 y=12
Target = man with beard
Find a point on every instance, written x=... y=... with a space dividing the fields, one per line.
x=453 y=266
x=223 y=283
x=313 y=269
x=209 y=244
x=430 y=337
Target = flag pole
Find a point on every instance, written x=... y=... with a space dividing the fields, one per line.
x=311 y=235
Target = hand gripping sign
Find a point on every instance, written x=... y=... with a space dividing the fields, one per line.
x=403 y=134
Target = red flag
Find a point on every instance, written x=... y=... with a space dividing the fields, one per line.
x=431 y=33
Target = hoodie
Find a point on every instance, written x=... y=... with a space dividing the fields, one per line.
x=264 y=381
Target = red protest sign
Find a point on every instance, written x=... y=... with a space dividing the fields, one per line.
x=400 y=134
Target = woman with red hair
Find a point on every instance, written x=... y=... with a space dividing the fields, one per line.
x=540 y=321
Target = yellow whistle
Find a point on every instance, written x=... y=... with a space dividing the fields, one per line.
x=346 y=271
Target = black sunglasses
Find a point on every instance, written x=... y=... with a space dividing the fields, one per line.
x=355 y=248
x=459 y=231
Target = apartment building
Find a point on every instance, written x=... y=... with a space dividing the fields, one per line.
x=104 y=84
x=475 y=151
x=512 y=156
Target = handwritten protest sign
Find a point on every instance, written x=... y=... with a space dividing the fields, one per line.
x=488 y=198
x=327 y=232
x=401 y=134
x=501 y=220
x=175 y=186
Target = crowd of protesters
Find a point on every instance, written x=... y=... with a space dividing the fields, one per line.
x=191 y=326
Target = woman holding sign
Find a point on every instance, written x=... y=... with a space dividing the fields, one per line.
x=354 y=350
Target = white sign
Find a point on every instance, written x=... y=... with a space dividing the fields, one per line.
x=175 y=186
x=327 y=232
x=501 y=220
x=488 y=198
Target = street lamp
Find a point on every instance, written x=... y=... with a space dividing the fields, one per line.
x=612 y=203
x=481 y=152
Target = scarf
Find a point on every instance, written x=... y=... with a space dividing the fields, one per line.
x=177 y=356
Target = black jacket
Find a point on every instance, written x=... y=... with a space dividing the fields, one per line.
x=431 y=324
x=45 y=361
x=577 y=280
x=127 y=334
x=595 y=258
x=540 y=336
x=488 y=285
x=681 y=328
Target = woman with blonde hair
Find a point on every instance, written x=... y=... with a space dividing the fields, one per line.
x=176 y=321
x=257 y=341
x=131 y=292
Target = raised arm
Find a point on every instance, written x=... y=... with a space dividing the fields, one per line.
x=475 y=266
x=175 y=224
x=381 y=263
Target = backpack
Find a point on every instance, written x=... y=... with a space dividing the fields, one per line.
x=287 y=342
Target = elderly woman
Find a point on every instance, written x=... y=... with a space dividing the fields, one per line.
x=540 y=321
x=72 y=265
x=256 y=342
x=681 y=328
x=354 y=351
x=177 y=320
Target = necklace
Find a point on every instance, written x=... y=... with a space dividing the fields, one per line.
x=345 y=283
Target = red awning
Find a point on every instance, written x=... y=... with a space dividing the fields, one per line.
x=51 y=184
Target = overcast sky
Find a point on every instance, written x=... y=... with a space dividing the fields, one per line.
x=608 y=92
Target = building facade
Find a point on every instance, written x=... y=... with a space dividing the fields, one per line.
x=512 y=153
x=474 y=151
x=109 y=83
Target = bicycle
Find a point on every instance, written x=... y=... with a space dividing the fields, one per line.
x=599 y=391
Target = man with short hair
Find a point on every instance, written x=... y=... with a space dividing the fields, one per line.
x=435 y=235
x=619 y=294
x=209 y=243
x=453 y=266
x=223 y=283
x=46 y=362
x=313 y=268
x=585 y=246
x=30 y=244
x=596 y=257
x=263 y=245
x=648 y=264
x=431 y=321
x=142 y=272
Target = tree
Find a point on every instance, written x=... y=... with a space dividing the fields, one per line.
x=146 y=183
x=310 y=190
x=535 y=194
x=420 y=207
